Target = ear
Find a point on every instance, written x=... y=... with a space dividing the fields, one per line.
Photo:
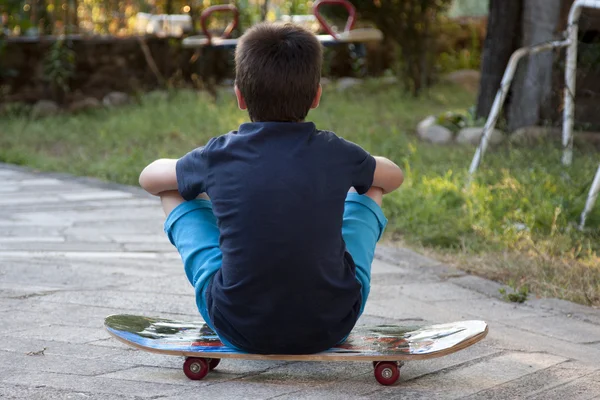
x=240 y=99
x=317 y=99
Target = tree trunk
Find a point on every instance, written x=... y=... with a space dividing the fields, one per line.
x=264 y=10
x=74 y=19
x=503 y=38
x=532 y=87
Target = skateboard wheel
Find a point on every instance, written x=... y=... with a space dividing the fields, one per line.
x=212 y=364
x=386 y=372
x=195 y=368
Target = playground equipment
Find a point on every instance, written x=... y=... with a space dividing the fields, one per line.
x=570 y=42
x=208 y=40
x=163 y=25
x=348 y=35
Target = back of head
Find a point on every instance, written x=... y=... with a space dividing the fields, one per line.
x=278 y=69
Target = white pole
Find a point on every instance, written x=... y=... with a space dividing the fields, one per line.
x=509 y=73
x=589 y=204
x=569 y=99
x=571 y=76
x=570 y=81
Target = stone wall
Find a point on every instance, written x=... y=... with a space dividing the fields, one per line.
x=102 y=65
x=110 y=64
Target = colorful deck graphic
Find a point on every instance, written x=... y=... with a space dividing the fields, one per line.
x=169 y=336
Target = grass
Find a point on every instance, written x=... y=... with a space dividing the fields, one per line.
x=515 y=223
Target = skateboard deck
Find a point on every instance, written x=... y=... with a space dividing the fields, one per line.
x=385 y=345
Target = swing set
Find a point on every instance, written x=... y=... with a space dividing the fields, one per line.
x=348 y=35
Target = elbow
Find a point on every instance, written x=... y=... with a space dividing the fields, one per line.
x=399 y=179
x=394 y=181
x=388 y=176
x=144 y=181
x=147 y=179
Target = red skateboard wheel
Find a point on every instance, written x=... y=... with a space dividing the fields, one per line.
x=212 y=364
x=386 y=373
x=195 y=368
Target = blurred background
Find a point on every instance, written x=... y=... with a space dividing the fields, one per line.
x=103 y=87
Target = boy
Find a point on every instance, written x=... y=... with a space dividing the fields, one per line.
x=276 y=223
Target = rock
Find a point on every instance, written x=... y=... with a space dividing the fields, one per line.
x=87 y=103
x=520 y=227
x=389 y=80
x=30 y=94
x=473 y=136
x=227 y=82
x=114 y=99
x=466 y=78
x=325 y=81
x=437 y=134
x=156 y=94
x=531 y=134
x=120 y=62
x=424 y=125
x=44 y=108
x=346 y=83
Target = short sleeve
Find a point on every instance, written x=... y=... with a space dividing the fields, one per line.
x=362 y=166
x=191 y=173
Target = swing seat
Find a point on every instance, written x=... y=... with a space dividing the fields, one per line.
x=361 y=35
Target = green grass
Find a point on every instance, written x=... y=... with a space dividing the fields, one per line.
x=514 y=223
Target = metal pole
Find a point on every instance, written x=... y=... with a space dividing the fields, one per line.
x=571 y=76
x=509 y=74
x=589 y=204
x=569 y=99
x=570 y=81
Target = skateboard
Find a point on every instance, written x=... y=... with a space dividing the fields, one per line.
x=386 y=346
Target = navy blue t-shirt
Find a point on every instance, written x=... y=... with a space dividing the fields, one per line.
x=287 y=283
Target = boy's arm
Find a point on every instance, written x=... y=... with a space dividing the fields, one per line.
x=388 y=176
x=160 y=176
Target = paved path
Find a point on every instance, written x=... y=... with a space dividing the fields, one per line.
x=75 y=250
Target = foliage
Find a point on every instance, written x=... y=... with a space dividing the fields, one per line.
x=457 y=120
x=514 y=222
x=469 y=8
x=518 y=294
x=16 y=15
x=59 y=67
x=248 y=15
x=15 y=109
x=413 y=26
x=459 y=59
x=5 y=72
x=461 y=45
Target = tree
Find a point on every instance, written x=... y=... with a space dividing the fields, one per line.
x=502 y=39
x=513 y=24
x=412 y=26
x=532 y=90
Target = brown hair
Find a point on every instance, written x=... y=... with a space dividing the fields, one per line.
x=278 y=69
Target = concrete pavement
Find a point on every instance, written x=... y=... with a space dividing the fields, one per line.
x=73 y=250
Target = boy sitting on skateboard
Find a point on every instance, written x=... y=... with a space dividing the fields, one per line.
x=277 y=222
